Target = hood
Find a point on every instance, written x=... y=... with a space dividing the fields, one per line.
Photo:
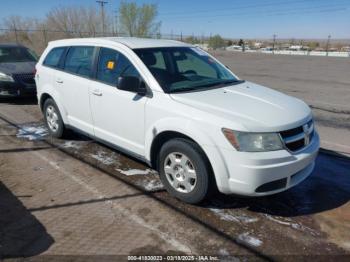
x=257 y=108
x=17 y=67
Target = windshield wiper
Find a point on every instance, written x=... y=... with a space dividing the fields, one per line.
x=183 y=89
x=223 y=83
x=201 y=87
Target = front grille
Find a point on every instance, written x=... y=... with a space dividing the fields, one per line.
x=297 y=138
x=27 y=78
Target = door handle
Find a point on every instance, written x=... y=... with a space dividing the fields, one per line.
x=59 y=81
x=97 y=92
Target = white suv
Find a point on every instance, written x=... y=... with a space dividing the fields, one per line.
x=180 y=110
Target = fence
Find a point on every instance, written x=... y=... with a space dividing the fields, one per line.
x=37 y=39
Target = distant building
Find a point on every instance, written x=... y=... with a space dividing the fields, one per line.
x=296 y=47
x=345 y=49
x=257 y=45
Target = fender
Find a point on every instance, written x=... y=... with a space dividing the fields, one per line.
x=51 y=91
x=195 y=132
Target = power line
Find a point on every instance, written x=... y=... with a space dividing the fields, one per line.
x=273 y=12
x=246 y=7
x=233 y=8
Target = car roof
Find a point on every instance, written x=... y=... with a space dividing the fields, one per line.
x=131 y=42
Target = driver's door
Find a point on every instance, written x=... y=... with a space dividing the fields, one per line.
x=118 y=115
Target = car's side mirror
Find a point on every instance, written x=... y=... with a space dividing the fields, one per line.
x=132 y=84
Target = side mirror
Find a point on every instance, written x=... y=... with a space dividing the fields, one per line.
x=132 y=84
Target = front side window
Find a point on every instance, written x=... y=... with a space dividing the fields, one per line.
x=53 y=57
x=16 y=54
x=180 y=69
x=79 y=60
x=112 y=65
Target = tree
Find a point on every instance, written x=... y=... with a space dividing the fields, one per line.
x=216 y=41
x=241 y=42
x=192 y=40
x=138 y=20
x=229 y=42
x=313 y=45
x=76 y=21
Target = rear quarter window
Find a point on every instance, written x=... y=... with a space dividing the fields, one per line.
x=54 y=56
x=79 y=60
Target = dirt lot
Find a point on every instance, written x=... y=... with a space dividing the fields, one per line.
x=75 y=197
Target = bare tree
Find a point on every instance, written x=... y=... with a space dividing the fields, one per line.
x=138 y=20
x=76 y=21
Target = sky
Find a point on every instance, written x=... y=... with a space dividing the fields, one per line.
x=301 y=19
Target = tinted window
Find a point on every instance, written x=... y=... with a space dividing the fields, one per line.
x=112 y=65
x=54 y=56
x=79 y=60
x=15 y=54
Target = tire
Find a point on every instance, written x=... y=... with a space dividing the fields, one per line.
x=178 y=160
x=60 y=129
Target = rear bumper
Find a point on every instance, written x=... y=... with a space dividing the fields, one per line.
x=17 y=90
x=259 y=174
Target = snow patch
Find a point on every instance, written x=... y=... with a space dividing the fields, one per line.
x=32 y=132
x=224 y=215
x=71 y=144
x=291 y=224
x=151 y=185
x=104 y=158
x=223 y=252
x=250 y=240
x=134 y=172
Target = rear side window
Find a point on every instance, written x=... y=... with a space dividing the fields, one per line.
x=79 y=60
x=53 y=57
x=112 y=65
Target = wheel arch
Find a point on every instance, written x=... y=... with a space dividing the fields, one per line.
x=166 y=135
x=42 y=100
x=45 y=95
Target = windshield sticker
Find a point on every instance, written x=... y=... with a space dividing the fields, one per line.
x=199 y=51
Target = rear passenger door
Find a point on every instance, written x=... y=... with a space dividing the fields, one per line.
x=73 y=85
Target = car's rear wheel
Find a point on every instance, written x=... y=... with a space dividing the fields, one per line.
x=184 y=170
x=53 y=119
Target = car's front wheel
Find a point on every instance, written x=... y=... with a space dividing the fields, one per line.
x=53 y=119
x=185 y=170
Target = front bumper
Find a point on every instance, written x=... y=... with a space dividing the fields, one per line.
x=265 y=173
x=15 y=89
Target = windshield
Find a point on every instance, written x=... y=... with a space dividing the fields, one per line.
x=181 y=69
x=16 y=54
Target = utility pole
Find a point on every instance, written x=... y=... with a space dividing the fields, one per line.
x=327 y=46
x=116 y=21
x=102 y=5
x=274 y=42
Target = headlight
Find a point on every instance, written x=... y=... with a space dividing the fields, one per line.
x=6 y=78
x=253 y=142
